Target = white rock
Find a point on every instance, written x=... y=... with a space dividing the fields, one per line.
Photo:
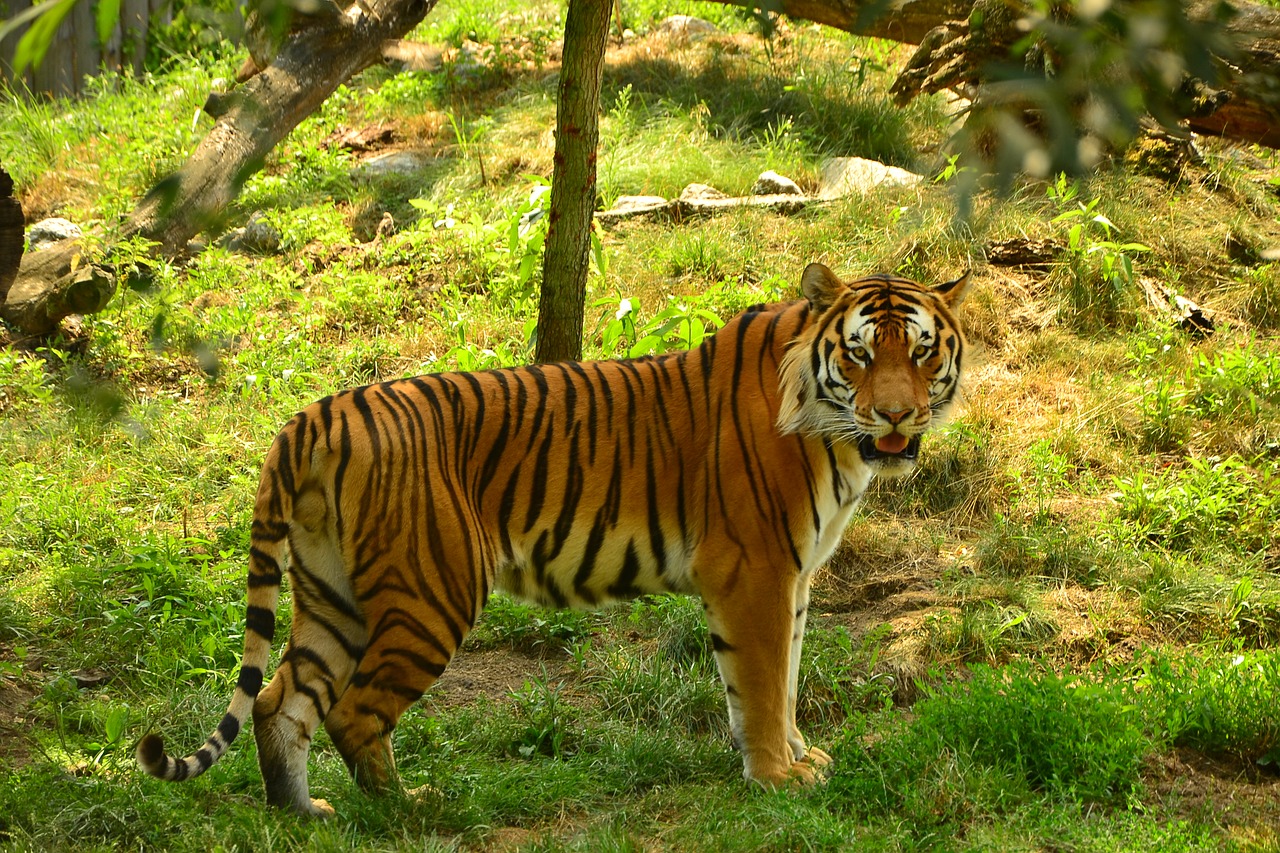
x=701 y=192
x=686 y=27
x=47 y=232
x=771 y=183
x=842 y=176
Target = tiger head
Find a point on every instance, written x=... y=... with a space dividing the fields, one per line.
x=880 y=365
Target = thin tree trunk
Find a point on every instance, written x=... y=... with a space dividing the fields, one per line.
x=573 y=184
x=310 y=65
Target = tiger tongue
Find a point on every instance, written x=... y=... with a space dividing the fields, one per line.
x=892 y=443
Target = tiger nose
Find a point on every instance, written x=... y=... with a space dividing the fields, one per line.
x=894 y=416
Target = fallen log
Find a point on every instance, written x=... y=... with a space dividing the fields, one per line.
x=307 y=66
x=1226 y=85
x=55 y=283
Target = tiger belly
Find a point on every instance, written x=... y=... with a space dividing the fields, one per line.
x=595 y=571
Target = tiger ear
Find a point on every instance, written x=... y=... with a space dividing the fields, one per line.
x=820 y=286
x=953 y=292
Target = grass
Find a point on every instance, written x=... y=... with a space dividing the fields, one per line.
x=1059 y=632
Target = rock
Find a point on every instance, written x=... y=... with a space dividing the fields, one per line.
x=392 y=163
x=47 y=232
x=686 y=28
x=631 y=206
x=771 y=183
x=785 y=203
x=843 y=176
x=258 y=236
x=701 y=192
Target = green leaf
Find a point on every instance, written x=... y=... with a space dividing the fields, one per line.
x=108 y=16
x=35 y=42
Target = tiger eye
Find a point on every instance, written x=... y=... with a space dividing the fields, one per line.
x=920 y=351
x=860 y=352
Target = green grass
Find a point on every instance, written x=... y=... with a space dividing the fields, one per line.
x=1076 y=588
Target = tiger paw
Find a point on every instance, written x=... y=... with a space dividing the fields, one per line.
x=817 y=757
x=321 y=809
x=423 y=793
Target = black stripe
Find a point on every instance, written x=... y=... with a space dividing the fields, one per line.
x=261 y=621
x=719 y=644
x=228 y=728
x=250 y=680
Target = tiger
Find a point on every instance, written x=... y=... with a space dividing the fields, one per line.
x=728 y=471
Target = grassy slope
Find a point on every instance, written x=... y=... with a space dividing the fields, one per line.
x=1097 y=525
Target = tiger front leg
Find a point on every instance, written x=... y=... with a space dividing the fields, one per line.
x=800 y=750
x=752 y=620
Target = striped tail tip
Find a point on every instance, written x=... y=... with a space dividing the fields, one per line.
x=150 y=755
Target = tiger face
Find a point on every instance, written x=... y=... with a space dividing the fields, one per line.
x=879 y=367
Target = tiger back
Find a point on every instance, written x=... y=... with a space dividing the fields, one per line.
x=728 y=472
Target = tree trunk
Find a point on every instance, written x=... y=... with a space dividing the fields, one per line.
x=12 y=234
x=1242 y=104
x=53 y=283
x=310 y=65
x=573 y=184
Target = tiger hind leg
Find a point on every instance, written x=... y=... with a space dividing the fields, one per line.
x=405 y=657
x=288 y=711
x=325 y=644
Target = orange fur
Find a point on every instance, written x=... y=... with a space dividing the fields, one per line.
x=728 y=472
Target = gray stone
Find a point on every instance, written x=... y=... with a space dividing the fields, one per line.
x=47 y=232
x=258 y=236
x=701 y=192
x=392 y=163
x=843 y=176
x=632 y=206
x=771 y=183
x=686 y=28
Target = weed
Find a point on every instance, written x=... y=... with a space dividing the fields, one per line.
x=507 y=622
x=1218 y=703
x=1042 y=549
x=679 y=326
x=1076 y=736
x=546 y=720
x=1205 y=506
x=839 y=680
x=1099 y=286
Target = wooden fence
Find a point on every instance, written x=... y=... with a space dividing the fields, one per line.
x=76 y=52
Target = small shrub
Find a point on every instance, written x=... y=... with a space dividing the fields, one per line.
x=1208 y=505
x=1070 y=735
x=507 y=622
x=1011 y=549
x=1217 y=704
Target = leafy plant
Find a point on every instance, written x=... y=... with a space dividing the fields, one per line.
x=679 y=326
x=1100 y=278
x=1073 y=735
x=507 y=622
x=1209 y=504
x=1218 y=704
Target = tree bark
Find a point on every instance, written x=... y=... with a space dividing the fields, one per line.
x=53 y=283
x=12 y=234
x=1243 y=104
x=310 y=65
x=573 y=183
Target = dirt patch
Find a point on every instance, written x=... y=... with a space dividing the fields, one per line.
x=493 y=674
x=16 y=696
x=1234 y=795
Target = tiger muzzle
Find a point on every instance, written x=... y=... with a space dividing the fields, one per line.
x=870 y=453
